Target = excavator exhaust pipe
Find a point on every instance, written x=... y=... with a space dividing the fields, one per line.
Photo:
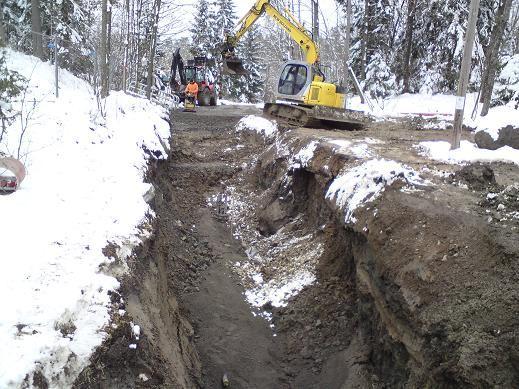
x=234 y=66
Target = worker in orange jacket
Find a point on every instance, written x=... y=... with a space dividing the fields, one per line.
x=192 y=89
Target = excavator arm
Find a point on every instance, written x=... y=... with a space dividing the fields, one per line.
x=291 y=26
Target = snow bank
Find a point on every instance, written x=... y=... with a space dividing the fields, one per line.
x=84 y=188
x=364 y=183
x=497 y=118
x=442 y=106
x=262 y=126
x=468 y=152
x=229 y=102
x=426 y=104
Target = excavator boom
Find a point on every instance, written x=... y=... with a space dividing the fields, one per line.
x=233 y=65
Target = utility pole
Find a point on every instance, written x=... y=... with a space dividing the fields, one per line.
x=464 y=74
x=315 y=19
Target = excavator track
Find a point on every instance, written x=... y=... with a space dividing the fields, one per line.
x=292 y=115
x=301 y=116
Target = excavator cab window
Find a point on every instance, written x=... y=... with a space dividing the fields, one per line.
x=293 y=79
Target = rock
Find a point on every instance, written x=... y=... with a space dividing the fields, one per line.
x=508 y=136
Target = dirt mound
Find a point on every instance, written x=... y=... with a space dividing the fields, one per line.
x=475 y=176
x=508 y=136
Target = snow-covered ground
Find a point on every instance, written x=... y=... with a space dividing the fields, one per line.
x=468 y=152
x=441 y=107
x=84 y=188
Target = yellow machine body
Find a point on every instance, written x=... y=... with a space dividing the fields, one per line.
x=325 y=94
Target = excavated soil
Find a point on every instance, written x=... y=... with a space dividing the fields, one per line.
x=423 y=292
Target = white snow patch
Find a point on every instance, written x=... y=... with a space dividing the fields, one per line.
x=303 y=156
x=364 y=183
x=84 y=188
x=497 y=118
x=277 y=292
x=468 y=152
x=342 y=143
x=359 y=150
x=258 y=124
x=229 y=102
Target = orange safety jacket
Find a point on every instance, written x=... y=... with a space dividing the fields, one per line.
x=192 y=88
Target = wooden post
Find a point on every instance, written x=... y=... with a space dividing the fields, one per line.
x=464 y=74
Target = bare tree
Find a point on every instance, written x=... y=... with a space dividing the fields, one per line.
x=492 y=54
x=364 y=40
x=126 y=41
x=347 y=40
x=3 y=35
x=153 y=47
x=103 y=55
x=411 y=8
x=37 y=45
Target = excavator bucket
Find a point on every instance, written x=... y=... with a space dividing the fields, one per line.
x=234 y=66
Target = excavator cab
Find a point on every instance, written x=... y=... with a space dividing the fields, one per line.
x=295 y=77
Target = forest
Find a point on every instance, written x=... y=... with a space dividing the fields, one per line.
x=393 y=46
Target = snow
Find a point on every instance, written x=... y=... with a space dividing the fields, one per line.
x=229 y=102
x=439 y=105
x=262 y=126
x=83 y=189
x=468 y=152
x=497 y=118
x=303 y=156
x=358 y=149
x=278 y=292
x=364 y=183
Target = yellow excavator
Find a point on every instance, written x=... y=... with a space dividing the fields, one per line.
x=303 y=96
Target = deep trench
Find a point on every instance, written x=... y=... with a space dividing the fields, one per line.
x=228 y=338
x=352 y=328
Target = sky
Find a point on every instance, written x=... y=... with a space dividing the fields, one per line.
x=328 y=12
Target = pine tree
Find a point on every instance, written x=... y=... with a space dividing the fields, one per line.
x=249 y=88
x=201 y=32
x=225 y=19
x=11 y=84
